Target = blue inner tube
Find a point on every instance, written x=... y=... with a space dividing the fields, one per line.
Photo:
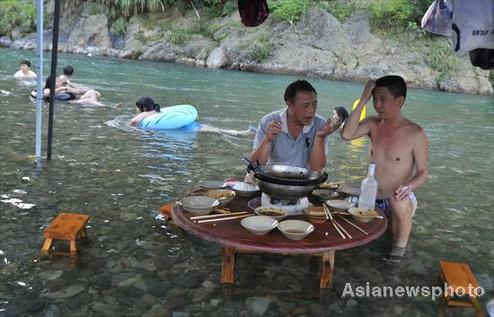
x=63 y=96
x=174 y=117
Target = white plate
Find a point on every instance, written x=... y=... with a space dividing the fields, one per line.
x=212 y=184
x=259 y=225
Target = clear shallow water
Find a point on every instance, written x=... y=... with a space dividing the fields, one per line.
x=135 y=264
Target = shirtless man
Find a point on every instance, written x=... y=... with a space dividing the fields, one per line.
x=24 y=70
x=399 y=148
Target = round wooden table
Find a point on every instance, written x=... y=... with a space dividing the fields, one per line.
x=323 y=242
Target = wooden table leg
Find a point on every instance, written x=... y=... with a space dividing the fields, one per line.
x=228 y=265
x=327 y=266
x=46 y=246
x=73 y=247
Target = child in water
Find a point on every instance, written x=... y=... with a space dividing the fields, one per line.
x=147 y=108
x=25 y=71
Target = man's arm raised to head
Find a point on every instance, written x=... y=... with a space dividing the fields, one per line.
x=354 y=129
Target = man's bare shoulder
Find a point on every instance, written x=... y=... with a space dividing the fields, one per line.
x=414 y=129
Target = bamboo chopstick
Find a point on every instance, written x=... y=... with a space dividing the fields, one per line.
x=354 y=225
x=223 y=218
x=342 y=229
x=328 y=216
x=218 y=215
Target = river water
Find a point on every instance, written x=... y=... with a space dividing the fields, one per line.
x=137 y=265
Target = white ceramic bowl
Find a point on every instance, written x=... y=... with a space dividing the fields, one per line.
x=295 y=229
x=362 y=214
x=212 y=184
x=270 y=211
x=259 y=225
x=225 y=196
x=339 y=204
x=244 y=189
x=199 y=205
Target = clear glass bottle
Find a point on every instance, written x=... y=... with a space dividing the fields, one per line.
x=368 y=189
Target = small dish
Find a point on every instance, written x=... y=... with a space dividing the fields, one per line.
x=315 y=214
x=363 y=214
x=225 y=196
x=270 y=211
x=324 y=194
x=295 y=229
x=244 y=189
x=329 y=185
x=259 y=225
x=199 y=205
x=212 y=184
x=339 y=204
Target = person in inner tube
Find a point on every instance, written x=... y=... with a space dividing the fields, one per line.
x=295 y=135
x=59 y=89
x=146 y=107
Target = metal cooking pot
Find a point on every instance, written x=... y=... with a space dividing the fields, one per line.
x=287 y=182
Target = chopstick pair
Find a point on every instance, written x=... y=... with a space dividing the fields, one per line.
x=336 y=225
x=220 y=217
x=353 y=225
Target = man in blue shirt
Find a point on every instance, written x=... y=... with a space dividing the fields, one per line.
x=296 y=135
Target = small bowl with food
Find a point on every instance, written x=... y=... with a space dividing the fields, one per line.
x=324 y=194
x=364 y=214
x=315 y=214
x=225 y=196
x=270 y=211
x=259 y=225
x=244 y=189
x=330 y=185
x=199 y=205
x=339 y=204
x=295 y=229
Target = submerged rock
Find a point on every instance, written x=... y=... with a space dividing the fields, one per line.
x=257 y=305
x=70 y=291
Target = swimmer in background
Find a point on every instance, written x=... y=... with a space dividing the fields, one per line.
x=146 y=107
x=25 y=72
x=89 y=97
x=339 y=115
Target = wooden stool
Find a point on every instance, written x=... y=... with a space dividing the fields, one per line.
x=459 y=276
x=66 y=227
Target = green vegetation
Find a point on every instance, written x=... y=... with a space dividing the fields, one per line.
x=14 y=13
x=179 y=36
x=128 y=8
x=289 y=10
x=342 y=9
x=442 y=59
x=262 y=48
x=397 y=13
x=119 y=26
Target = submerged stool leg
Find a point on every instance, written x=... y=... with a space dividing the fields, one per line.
x=73 y=247
x=46 y=246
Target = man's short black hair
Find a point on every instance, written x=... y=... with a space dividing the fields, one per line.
x=25 y=62
x=68 y=70
x=296 y=86
x=396 y=85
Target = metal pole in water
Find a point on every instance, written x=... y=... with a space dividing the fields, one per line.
x=39 y=86
x=53 y=75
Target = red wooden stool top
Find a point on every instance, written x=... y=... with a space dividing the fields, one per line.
x=66 y=226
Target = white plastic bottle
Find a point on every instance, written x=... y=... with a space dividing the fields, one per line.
x=368 y=189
